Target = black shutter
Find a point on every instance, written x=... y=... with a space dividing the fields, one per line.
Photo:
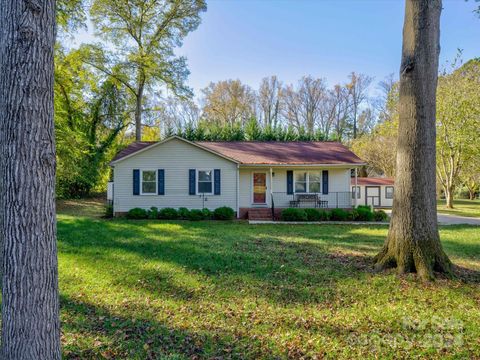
x=289 y=182
x=136 y=182
x=325 y=182
x=216 y=182
x=161 y=182
x=191 y=182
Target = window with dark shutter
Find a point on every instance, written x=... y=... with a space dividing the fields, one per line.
x=161 y=182
x=289 y=182
x=216 y=182
x=191 y=181
x=325 y=182
x=136 y=182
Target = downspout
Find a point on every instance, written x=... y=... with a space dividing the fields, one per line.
x=272 y=205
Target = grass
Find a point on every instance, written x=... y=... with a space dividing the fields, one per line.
x=469 y=208
x=175 y=290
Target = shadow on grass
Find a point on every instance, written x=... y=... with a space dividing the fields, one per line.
x=266 y=263
x=91 y=332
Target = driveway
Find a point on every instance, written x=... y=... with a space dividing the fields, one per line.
x=447 y=219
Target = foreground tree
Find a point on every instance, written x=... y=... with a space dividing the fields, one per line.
x=413 y=242
x=30 y=321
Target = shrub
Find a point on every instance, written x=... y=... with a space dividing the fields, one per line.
x=380 y=215
x=152 y=213
x=224 y=213
x=109 y=211
x=183 y=213
x=353 y=214
x=207 y=214
x=339 y=215
x=364 y=213
x=195 y=215
x=137 y=213
x=312 y=214
x=168 y=214
x=324 y=215
x=293 y=214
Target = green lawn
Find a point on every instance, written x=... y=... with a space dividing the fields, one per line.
x=174 y=290
x=470 y=208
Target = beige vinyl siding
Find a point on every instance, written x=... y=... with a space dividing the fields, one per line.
x=339 y=181
x=176 y=157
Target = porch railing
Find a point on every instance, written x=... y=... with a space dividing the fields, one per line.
x=336 y=199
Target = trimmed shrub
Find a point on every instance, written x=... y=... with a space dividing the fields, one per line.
x=293 y=214
x=183 y=213
x=224 y=213
x=207 y=214
x=339 y=215
x=137 y=213
x=108 y=211
x=312 y=214
x=364 y=213
x=195 y=215
x=324 y=215
x=152 y=213
x=380 y=215
x=168 y=214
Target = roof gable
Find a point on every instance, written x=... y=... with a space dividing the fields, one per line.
x=263 y=152
x=138 y=147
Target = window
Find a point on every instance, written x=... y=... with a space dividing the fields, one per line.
x=205 y=182
x=388 y=192
x=149 y=182
x=357 y=192
x=307 y=182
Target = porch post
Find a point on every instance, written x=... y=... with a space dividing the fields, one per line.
x=271 y=186
x=356 y=187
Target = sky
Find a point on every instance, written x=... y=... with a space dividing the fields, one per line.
x=252 y=39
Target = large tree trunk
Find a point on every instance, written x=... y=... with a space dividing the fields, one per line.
x=413 y=243
x=449 y=196
x=30 y=306
x=138 y=108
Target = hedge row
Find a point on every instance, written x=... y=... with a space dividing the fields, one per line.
x=221 y=213
x=360 y=213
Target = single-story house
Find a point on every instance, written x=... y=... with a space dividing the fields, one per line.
x=250 y=177
x=374 y=191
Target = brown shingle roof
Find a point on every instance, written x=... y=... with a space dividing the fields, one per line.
x=133 y=148
x=275 y=152
x=373 y=181
x=270 y=152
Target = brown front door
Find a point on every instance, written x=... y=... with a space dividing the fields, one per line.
x=259 y=188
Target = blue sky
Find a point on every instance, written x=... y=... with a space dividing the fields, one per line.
x=251 y=39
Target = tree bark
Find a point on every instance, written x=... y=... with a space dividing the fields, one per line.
x=30 y=304
x=449 y=197
x=138 y=108
x=413 y=242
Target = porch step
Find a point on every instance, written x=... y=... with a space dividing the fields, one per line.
x=260 y=214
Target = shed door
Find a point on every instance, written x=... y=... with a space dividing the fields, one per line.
x=372 y=195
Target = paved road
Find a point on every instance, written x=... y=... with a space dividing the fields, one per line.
x=447 y=219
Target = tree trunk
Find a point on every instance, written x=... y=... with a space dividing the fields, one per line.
x=413 y=242
x=138 y=109
x=30 y=304
x=449 y=197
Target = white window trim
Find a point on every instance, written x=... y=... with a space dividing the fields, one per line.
x=393 y=191
x=359 y=192
x=307 y=184
x=197 y=179
x=141 y=182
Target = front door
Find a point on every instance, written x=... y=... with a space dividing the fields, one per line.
x=373 y=195
x=259 y=188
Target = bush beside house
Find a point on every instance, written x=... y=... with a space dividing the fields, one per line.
x=360 y=213
x=221 y=213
